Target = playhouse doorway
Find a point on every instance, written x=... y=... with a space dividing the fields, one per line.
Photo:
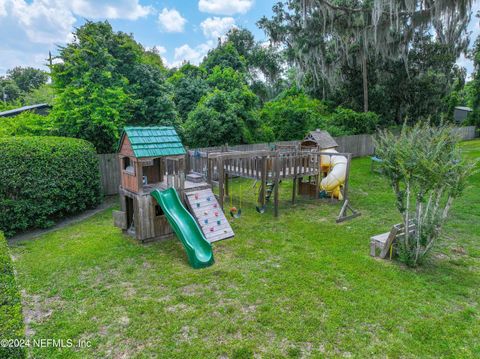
x=129 y=210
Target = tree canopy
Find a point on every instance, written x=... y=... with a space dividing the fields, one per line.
x=324 y=63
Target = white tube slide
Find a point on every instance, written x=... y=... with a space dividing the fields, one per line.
x=336 y=176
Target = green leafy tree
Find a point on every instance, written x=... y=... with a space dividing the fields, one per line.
x=27 y=78
x=474 y=85
x=42 y=94
x=427 y=173
x=225 y=78
x=292 y=114
x=9 y=90
x=92 y=101
x=322 y=36
x=107 y=80
x=189 y=86
x=344 y=121
x=227 y=114
x=152 y=57
x=152 y=97
x=224 y=55
x=218 y=118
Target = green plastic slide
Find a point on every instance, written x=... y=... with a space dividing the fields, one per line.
x=199 y=251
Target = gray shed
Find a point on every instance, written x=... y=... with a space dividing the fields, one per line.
x=318 y=140
x=460 y=113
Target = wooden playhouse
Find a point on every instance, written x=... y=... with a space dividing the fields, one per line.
x=315 y=141
x=154 y=158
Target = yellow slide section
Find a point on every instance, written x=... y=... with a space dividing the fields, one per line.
x=336 y=177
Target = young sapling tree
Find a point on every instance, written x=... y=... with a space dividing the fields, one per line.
x=427 y=173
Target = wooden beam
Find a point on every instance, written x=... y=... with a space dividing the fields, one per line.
x=276 y=184
x=227 y=189
x=139 y=174
x=221 y=178
x=264 y=180
x=294 y=189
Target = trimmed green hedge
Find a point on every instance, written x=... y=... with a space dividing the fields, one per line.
x=43 y=179
x=11 y=318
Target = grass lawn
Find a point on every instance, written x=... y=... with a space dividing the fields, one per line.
x=296 y=286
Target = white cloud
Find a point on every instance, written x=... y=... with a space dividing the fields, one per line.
x=42 y=21
x=225 y=7
x=195 y=55
x=171 y=20
x=215 y=27
x=3 y=8
x=51 y=21
x=110 y=9
x=186 y=53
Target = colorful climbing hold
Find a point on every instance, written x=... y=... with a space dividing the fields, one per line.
x=212 y=229
x=216 y=213
x=215 y=205
x=198 y=204
x=206 y=221
x=196 y=195
x=219 y=222
x=208 y=198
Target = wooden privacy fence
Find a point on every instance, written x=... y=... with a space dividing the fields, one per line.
x=109 y=173
x=466 y=133
x=197 y=160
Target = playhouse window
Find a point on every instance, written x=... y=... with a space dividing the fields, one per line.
x=127 y=165
x=158 y=211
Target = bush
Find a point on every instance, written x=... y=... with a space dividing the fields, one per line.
x=11 y=317
x=43 y=179
x=427 y=173
x=27 y=124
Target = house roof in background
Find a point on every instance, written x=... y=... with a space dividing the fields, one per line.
x=322 y=138
x=155 y=141
x=19 y=110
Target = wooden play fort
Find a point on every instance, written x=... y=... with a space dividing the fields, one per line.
x=153 y=158
x=314 y=166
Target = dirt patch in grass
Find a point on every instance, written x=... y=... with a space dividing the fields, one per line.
x=37 y=310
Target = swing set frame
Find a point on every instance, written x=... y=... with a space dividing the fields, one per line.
x=274 y=166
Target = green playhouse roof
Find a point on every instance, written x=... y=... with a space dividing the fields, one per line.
x=153 y=141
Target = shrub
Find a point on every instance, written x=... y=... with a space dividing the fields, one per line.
x=11 y=317
x=427 y=173
x=43 y=179
x=27 y=124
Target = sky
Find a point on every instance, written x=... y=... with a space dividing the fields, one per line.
x=180 y=30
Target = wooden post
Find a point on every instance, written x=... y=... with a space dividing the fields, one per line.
x=227 y=190
x=319 y=175
x=221 y=178
x=347 y=175
x=139 y=173
x=263 y=175
x=294 y=189
x=209 y=170
x=276 y=184
x=187 y=162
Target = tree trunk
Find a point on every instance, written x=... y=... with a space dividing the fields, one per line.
x=365 y=82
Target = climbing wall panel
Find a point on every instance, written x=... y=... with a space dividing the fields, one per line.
x=206 y=210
